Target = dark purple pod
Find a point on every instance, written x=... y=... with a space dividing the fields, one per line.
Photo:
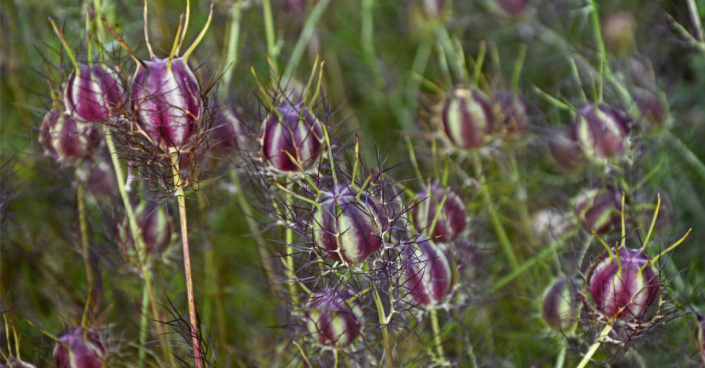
x=467 y=117
x=624 y=292
x=98 y=177
x=229 y=133
x=45 y=132
x=452 y=218
x=78 y=348
x=428 y=275
x=93 y=92
x=166 y=100
x=559 y=305
x=347 y=228
x=332 y=319
x=513 y=8
x=654 y=114
x=14 y=363
x=602 y=132
x=515 y=113
x=65 y=138
x=284 y=136
x=565 y=152
x=599 y=209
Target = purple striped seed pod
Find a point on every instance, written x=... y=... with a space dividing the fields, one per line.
x=78 y=348
x=624 y=284
x=92 y=93
x=467 y=117
x=98 y=177
x=65 y=138
x=599 y=209
x=332 y=319
x=14 y=363
x=428 y=274
x=153 y=222
x=559 y=305
x=347 y=228
x=284 y=136
x=515 y=113
x=602 y=132
x=229 y=133
x=565 y=153
x=452 y=219
x=166 y=100
x=512 y=8
x=654 y=114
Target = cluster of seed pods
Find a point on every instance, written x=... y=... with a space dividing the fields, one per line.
x=79 y=348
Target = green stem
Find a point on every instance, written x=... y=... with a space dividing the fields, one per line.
x=594 y=347
x=560 y=359
x=85 y=249
x=597 y=31
x=417 y=68
x=290 y=266
x=304 y=38
x=521 y=197
x=269 y=30
x=233 y=40
x=144 y=326
x=385 y=328
x=368 y=46
x=437 y=335
x=687 y=154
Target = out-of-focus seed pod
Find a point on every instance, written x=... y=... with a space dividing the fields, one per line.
x=602 y=132
x=229 y=132
x=153 y=222
x=332 y=319
x=515 y=113
x=645 y=204
x=565 y=152
x=467 y=117
x=434 y=9
x=452 y=218
x=618 y=31
x=65 y=138
x=623 y=285
x=93 y=92
x=98 y=177
x=166 y=100
x=347 y=228
x=78 y=348
x=550 y=224
x=598 y=208
x=654 y=113
x=700 y=336
x=642 y=73
x=14 y=363
x=512 y=8
x=428 y=275
x=559 y=305
x=284 y=136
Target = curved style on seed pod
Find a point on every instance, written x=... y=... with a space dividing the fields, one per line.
x=65 y=138
x=598 y=208
x=602 y=132
x=93 y=92
x=468 y=117
x=559 y=305
x=428 y=275
x=624 y=283
x=347 y=228
x=645 y=205
x=452 y=218
x=291 y=139
x=332 y=319
x=78 y=348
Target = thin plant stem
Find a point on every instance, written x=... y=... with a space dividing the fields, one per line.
x=597 y=31
x=437 y=334
x=290 y=267
x=695 y=15
x=179 y=186
x=687 y=154
x=385 y=327
x=494 y=218
x=80 y=193
x=233 y=41
x=560 y=359
x=520 y=195
x=144 y=325
x=269 y=30
x=304 y=38
x=594 y=347
x=368 y=48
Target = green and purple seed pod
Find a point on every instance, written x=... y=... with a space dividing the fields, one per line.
x=565 y=153
x=624 y=283
x=598 y=208
x=467 y=117
x=153 y=222
x=514 y=113
x=602 y=132
x=452 y=218
x=78 y=348
x=291 y=139
x=14 y=363
x=332 y=319
x=65 y=138
x=348 y=228
x=93 y=92
x=559 y=305
x=428 y=274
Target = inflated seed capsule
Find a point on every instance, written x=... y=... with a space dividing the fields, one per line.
x=602 y=132
x=598 y=208
x=333 y=319
x=65 y=138
x=98 y=177
x=78 y=348
x=467 y=117
x=153 y=223
x=93 y=92
x=559 y=305
x=452 y=218
x=428 y=275
x=290 y=139
x=565 y=152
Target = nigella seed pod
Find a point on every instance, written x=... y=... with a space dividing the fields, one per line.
x=515 y=113
x=467 y=117
x=513 y=8
x=654 y=115
x=98 y=176
x=229 y=132
x=559 y=305
x=290 y=143
x=347 y=228
x=452 y=218
x=602 y=132
x=565 y=152
x=78 y=348
x=93 y=92
x=428 y=275
x=166 y=100
x=153 y=222
x=332 y=319
x=624 y=283
x=45 y=132
x=65 y=138
x=598 y=208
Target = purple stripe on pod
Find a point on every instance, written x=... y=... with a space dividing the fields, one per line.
x=70 y=139
x=167 y=101
x=467 y=116
x=602 y=132
x=78 y=348
x=624 y=289
x=93 y=92
x=347 y=227
x=452 y=218
x=559 y=305
x=428 y=275
x=45 y=132
x=332 y=319
x=289 y=137
x=598 y=208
